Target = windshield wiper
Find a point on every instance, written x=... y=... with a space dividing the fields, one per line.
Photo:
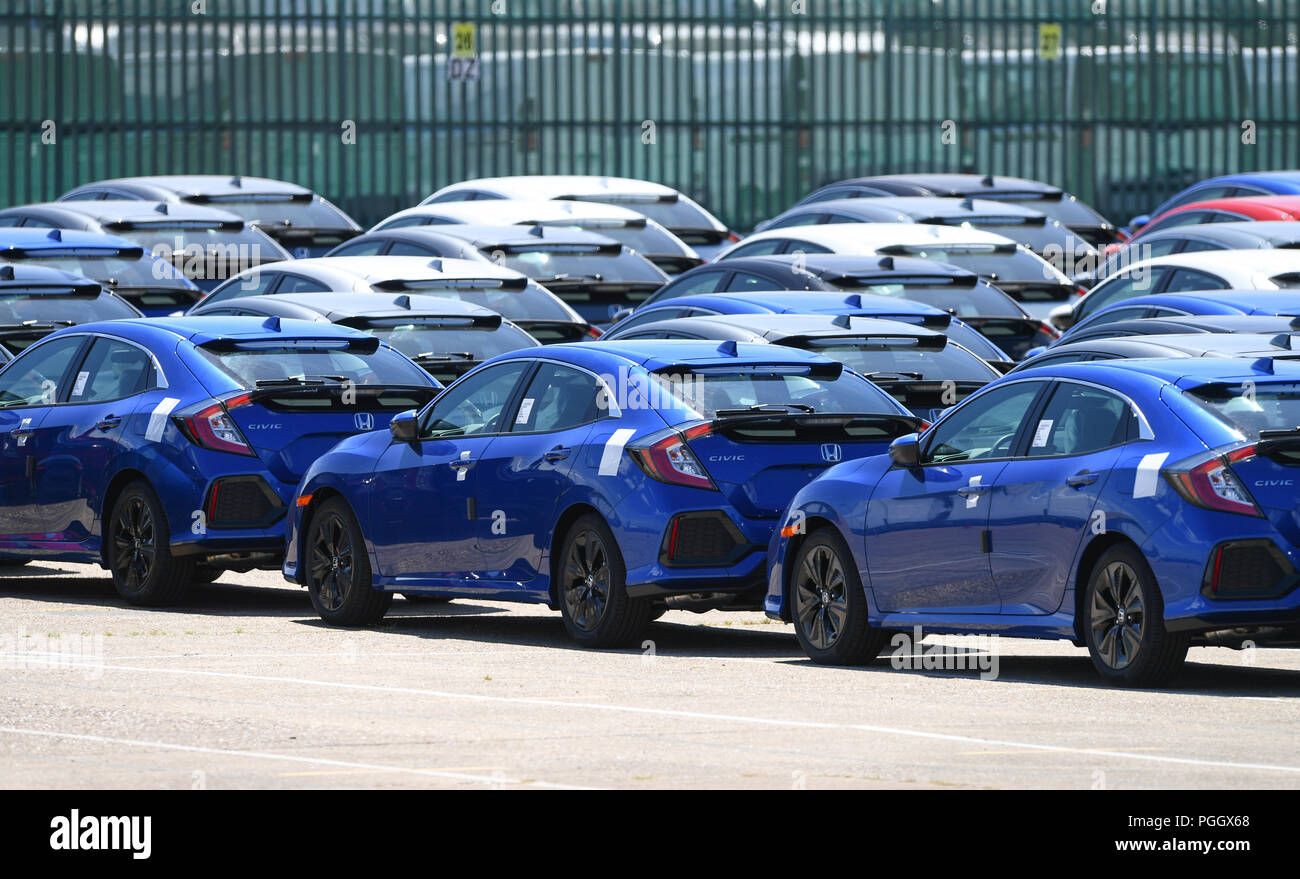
x=898 y=376
x=444 y=355
x=295 y=380
x=764 y=407
x=38 y=324
x=570 y=277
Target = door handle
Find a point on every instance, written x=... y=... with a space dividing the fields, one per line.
x=1079 y=480
x=460 y=463
x=968 y=490
x=110 y=422
x=559 y=453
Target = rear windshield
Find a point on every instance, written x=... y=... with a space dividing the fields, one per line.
x=313 y=363
x=642 y=239
x=444 y=339
x=906 y=363
x=1018 y=266
x=284 y=212
x=549 y=266
x=531 y=303
x=1251 y=407
x=16 y=307
x=978 y=301
x=107 y=269
x=796 y=390
x=683 y=219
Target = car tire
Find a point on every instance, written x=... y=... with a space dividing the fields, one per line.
x=205 y=574
x=829 y=605
x=336 y=569
x=14 y=563
x=592 y=588
x=1124 y=622
x=138 y=550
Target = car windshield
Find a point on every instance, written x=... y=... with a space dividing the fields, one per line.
x=980 y=300
x=896 y=362
x=60 y=307
x=1251 y=407
x=448 y=339
x=146 y=271
x=782 y=389
x=314 y=362
x=548 y=266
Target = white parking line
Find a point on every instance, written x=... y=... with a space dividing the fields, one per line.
x=259 y=755
x=727 y=718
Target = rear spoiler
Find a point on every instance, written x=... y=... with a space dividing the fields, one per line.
x=934 y=342
x=359 y=344
x=560 y=247
x=130 y=225
x=909 y=249
x=476 y=321
x=270 y=197
x=11 y=253
x=906 y=280
x=626 y=198
x=831 y=369
x=69 y=291
x=452 y=283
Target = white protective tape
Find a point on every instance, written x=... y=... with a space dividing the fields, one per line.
x=1148 y=475
x=158 y=420
x=613 y=453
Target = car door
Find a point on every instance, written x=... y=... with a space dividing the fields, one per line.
x=1045 y=500
x=524 y=472
x=424 y=497
x=81 y=437
x=926 y=526
x=30 y=387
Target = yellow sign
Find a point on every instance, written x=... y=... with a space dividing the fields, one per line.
x=464 y=43
x=1049 y=41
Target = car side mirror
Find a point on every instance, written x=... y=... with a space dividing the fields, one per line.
x=906 y=450
x=1062 y=317
x=1138 y=222
x=405 y=426
x=621 y=313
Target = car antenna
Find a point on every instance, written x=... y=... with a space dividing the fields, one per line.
x=968 y=204
x=436 y=265
x=161 y=209
x=1263 y=364
x=536 y=231
x=853 y=300
x=6 y=273
x=887 y=263
x=843 y=321
x=403 y=302
x=1281 y=340
x=729 y=348
x=987 y=181
x=271 y=323
x=236 y=181
x=55 y=235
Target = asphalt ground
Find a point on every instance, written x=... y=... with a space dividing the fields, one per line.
x=244 y=687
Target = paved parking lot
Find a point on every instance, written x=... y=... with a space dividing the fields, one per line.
x=246 y=688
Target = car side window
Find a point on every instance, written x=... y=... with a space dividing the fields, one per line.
x=1194 y=245
x=704 y=282
x=403 y=248
x=1184 y=280
x=35 y=378
x=112 y=370
x=1186 y=218
x=1079 y=420
x=1117 y=314
x=298 y=284
x=984 y=431
x=1119 y=289
x=650 y=316
x=766 y=247
x=808 y=219
x=558 y=398
x=1208 y=193
x=362 y=248
x=256 y=284
x=476 y=405
x=805 y=247
x=742 y=282
x=8 y=222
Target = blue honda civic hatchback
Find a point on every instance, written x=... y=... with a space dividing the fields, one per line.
x=607 y=481
x=168 y=449
x=1135 y=508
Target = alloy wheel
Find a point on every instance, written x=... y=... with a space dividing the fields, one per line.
x=331 y=561
x=134 y=543
x=821 y=602
x=586 y=580
x=1117 y=615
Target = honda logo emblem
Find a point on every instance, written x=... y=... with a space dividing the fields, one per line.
x=364 y=421
x=831 y=453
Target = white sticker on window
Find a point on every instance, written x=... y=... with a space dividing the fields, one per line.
x=1043 y=433
x=1148 y=475
x=613 y=453
x=80 y=383
x=525 y=409
x=158 y=420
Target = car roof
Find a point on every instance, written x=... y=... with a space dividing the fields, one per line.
x=33 y=239
x=200 y=329
x=514 y=236
x=922 y=207
x=863 y=237
x=558 y=185
x=1278 y=232
x=374 y=269
x=1289 y=204
x=1181 y=371
x=1288 y=178
x=803 y=302
x=785 y=326
x=654 y=354
x=187 y=185
x=964 y=184
x=1191 y=344
x=1261 y=261
x=827 y=265
x=344 y=305
x=23 y=275
x=129 y=210
x=507 y=211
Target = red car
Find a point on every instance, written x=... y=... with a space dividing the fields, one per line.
x=1225 y=210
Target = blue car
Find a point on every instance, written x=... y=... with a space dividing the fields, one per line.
x=1226 y=186
x=788 y=302
x=607 y=481
x=1134 y=508
x=168 y=449
x=152 y=285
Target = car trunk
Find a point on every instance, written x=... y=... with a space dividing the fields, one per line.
x=597 y=301
x=1271 y=477
x=758 y=462
x=290 y=427
x=1013 y=335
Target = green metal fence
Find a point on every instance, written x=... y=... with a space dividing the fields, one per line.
x=743 y=104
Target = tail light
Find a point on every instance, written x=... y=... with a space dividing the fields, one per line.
x=1080 y=290
x=666 y=457
x=593 y=333
x=732 y=237
x=1208 y=482
x=1048 y=330
x=213 y=428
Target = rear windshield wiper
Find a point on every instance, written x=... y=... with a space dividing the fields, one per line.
x=764 y=408
x=915 y=376
x=443 y=355
x=296 y=380
x=570 y=277
x=38 y=324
